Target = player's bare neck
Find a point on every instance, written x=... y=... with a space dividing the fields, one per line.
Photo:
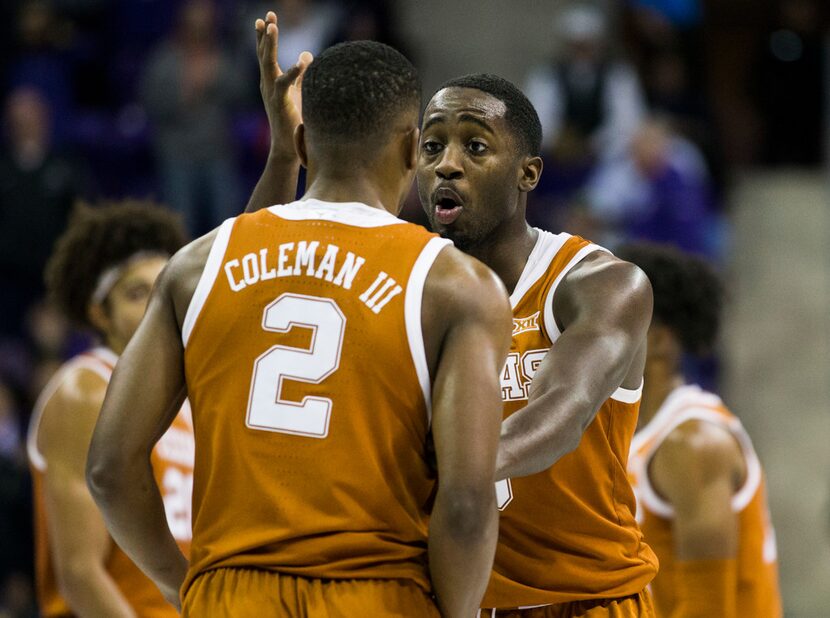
x=507 y=251
x=658 y=383
x=350 y=189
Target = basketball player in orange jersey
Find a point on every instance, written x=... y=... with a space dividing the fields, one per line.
x=568 y=540
x=320 y=343
x=699 y=483
x=101 y=274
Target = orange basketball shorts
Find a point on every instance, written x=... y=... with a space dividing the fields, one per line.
x=634 y=606
x=235 y=592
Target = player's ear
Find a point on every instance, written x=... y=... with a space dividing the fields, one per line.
x=411 y=143
x=98 y=317
x=531 y=171
x=299 y=144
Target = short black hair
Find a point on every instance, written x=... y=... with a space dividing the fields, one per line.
x=352 y=91
x=521 y=115
x=100 y=237
x=688 y=293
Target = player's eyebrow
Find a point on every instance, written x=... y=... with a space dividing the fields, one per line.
x=475 y=120
x=462 y=117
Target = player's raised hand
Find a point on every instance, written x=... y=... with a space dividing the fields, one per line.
x=280 y=90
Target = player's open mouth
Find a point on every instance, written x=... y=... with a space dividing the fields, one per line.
x=448 y=205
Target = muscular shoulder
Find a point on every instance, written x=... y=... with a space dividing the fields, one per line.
x=70 y=414
x=458 y=282
x=180 y=277
x=696 y=454
x=602 y=284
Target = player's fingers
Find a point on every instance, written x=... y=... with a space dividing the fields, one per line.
x=259 y=26
x=266 y=54
x=289 y=77
x=273 y=34
x=305 y=59
x=271 y=17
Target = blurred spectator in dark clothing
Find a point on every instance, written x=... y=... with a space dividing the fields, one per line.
x=590 y=104
x=38 y=187
x=589 y=101
x=190 y=90
x=790 y=88
x=661 y=192
x=368 y=20
x=16 y=597
x=42 y=59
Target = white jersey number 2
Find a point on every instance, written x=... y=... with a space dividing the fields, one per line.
x=267 y=411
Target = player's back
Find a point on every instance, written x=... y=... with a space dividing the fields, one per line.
x=309 y=384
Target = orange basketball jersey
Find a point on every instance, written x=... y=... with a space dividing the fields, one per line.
x=567 y=533
x=758 y=594
x=172 y=461
x=307 y=374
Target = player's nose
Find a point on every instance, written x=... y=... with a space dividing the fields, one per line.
x=449 y=166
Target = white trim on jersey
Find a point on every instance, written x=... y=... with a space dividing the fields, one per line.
x=546 y=247
x=550 y=323
x=628 y=395
x=87 y=361
x=690 y=403
x=412 y=315
x=208 y=278
x=355 y=214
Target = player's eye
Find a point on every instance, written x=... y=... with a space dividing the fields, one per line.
x=137 y=293
x=477 y=147
x=431 y=146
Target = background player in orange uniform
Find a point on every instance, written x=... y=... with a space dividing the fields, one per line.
x=568 y=541
x=699 y=483
x=315 y=339
x=100 y=274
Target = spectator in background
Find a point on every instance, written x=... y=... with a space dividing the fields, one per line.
x=38 y=187
x=42 y=58
x=189 y=90
x=16 y=515
x=790 y=73
x=589 y=102
x=661 y=191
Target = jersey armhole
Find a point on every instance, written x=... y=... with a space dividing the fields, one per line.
x=413 y=302
x=552 y=330
x=206 y=281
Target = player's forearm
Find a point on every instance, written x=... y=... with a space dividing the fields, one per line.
x=706 y=588
x=575 y=379
x=132 y=507
x=89 y=590
x=462 y=542
x=278 y=183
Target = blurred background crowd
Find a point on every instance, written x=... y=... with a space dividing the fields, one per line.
x=653 y=111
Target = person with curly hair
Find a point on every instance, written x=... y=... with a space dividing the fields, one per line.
x=699 y=483
x=100 y=276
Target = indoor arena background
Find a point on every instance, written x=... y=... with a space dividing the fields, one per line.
x=715 y=140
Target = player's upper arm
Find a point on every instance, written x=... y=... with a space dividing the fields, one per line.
x=468 y=305
x=606 y=293
x=78 y=536
x=603 y=308
x=695 y=470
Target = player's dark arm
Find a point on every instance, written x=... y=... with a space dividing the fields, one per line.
x=694 y=469
x=466 y=418
x=278 y=183
x=604 y=308
x=79 y=542
x=146 y=392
